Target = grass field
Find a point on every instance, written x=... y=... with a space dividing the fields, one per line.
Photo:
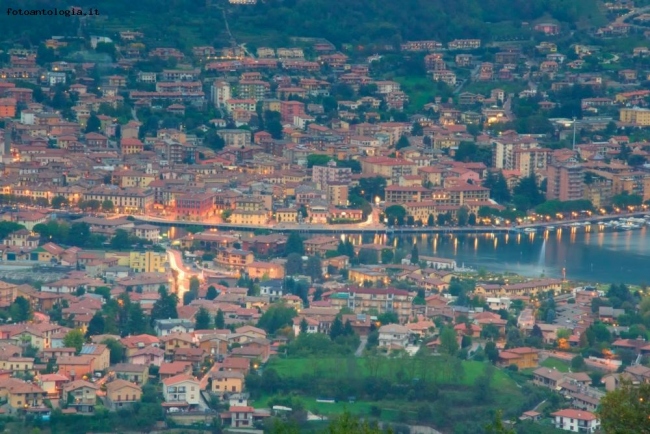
x=342 y=367
x=560 y=365
x=421 y=90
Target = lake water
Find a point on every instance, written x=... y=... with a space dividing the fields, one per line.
x=599 y=257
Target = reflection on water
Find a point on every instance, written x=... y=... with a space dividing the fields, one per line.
x=594 y=256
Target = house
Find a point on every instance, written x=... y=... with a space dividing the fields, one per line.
x=227 y=382
x=101 y=355
x=195 y=356
x=21 y=395
x=393 y=335
x=164 y=327
x=241 y=417
x=139 y=342
x=80 y=395
x=138 y=374
x=121 y=393
x=151 y=356
x=175 y=341
x=523 y=358
x=236 y=364
x=53 y=384
x=171 y=369
x=576 y=421
x=182 y=391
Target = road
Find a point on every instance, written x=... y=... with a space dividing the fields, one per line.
x=379 y=228
x=362 y=346
x=633 y=12
x=176 y=263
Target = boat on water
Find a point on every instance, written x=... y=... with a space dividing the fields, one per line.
x=530 y=230
x=550 y=228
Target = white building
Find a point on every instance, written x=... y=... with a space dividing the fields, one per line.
x=576 y=421
x=393 y=334
x=54 y=78
x=220 y=92
x=182 y=389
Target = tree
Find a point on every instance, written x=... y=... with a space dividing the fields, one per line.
x=471 y=220
x=314 y=268
x=219 y=320
x=120 y=240
x=136 y=323
x=116 y=350
x=529 y=189
x=415 y=256
x=20 y=309
x=387 y=256
x=59 y=201
x=96 y=325
x=74 y=339
x=625 y=410
x=165 y=306
x=578 y=363
x=276 y=317
x=107 y=205
x=402 y=143
x=303 y=325
x=347 y=424
x=294 y=244
x=93 y=124
x=491 y=351
x=389 y=317
x=498 y=187
x=337 y=328
x=293 y=265
x=462 y=215
x=448 y=342
x=195 y=284
x=497 y=426
x=431 y=220
x=202 y=319
x=395 y=214
x=211 y=294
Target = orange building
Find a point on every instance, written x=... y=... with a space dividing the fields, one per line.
x=7 y=107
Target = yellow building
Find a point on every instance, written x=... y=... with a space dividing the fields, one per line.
x=265 y=270
x=635 y=116
x=20 y=394
x=121 y=393
x=227 y=382
x=147 y=262
x=523 y=358
x=257 y=218
x=124 y=199
x=288 y=215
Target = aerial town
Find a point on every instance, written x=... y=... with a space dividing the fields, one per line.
x=232 y=239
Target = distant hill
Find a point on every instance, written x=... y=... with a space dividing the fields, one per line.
x=365 y=21
x=360 y=22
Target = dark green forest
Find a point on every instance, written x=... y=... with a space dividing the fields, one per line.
x=360 y=22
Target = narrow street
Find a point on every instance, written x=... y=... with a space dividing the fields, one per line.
x=362 y=346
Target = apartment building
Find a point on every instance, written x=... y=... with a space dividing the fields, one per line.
x=635 y=116
x=390 y=168
x=147 y=262
x=126 y=199
x=364 y=300
x=233 y=258
x=565 y=182
x=323 y=176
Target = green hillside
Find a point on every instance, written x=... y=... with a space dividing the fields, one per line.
x=360 y=22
